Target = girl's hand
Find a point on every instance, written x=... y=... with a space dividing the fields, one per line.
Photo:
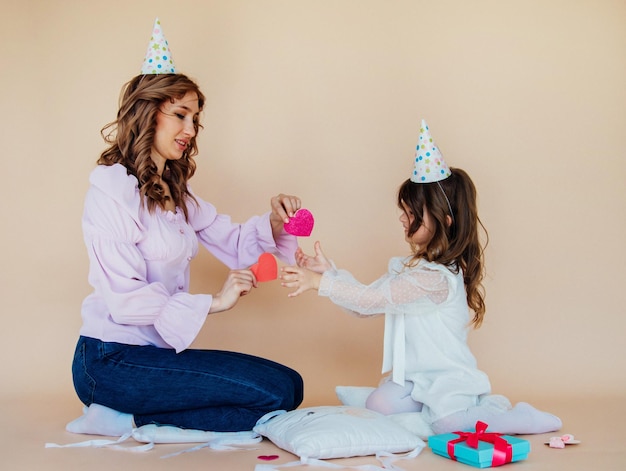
x=299 y=278
x=283 y=208
x=237 y=284
x=318 y=264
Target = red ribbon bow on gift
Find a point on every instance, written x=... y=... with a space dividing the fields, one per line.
x=502 y=451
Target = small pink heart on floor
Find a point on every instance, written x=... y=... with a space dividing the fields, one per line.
x=268 y=457
x=266 y=269
x=301 y=224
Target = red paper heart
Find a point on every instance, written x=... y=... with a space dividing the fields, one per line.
x=266 y=269
x=268 y=457
x=301 y=224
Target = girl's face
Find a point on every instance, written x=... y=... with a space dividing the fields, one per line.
x=423 y=235
x=174 y=129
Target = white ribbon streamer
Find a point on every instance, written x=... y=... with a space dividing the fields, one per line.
x=386 y=459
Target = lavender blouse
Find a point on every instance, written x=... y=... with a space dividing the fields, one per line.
x=139 y=261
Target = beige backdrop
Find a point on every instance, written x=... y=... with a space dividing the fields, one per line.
x=323 y=99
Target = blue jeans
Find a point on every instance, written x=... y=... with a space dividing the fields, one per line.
x=196 y=389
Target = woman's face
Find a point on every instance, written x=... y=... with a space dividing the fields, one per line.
x=424 y=234
x=174 y=129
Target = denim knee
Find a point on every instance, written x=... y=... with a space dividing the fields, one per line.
x=84 y=384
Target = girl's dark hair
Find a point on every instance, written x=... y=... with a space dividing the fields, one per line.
x=131 y=136
x=456 y=245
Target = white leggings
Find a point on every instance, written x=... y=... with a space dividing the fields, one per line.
x=391 y=398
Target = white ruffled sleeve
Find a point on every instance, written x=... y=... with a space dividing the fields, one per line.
x=396 y=288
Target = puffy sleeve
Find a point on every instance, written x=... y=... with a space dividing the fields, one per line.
x=238 y=245
x=119 y=272
x=400 y=286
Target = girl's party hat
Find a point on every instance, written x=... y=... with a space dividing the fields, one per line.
x=429 y=164
x=158 y=58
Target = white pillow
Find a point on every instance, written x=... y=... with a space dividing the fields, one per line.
x=326 y=432
x=354 y=396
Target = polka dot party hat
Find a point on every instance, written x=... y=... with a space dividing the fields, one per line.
x=158 y=58
x=429 y=164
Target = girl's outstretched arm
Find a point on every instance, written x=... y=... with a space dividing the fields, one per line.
x=302 y=279
x=318 y=263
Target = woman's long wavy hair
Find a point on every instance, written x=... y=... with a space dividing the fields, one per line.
x=131 y=137
x=456 y=240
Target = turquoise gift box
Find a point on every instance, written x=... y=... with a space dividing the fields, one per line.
x=477 y=448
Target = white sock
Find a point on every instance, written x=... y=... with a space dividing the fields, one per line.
x=521 y=419
x=101 y=420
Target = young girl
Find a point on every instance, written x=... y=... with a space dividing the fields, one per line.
x=426 y=299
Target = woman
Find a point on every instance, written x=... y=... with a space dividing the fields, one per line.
x=142 y=224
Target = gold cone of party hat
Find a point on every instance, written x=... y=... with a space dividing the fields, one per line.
x=158 y=58
x=429 y=164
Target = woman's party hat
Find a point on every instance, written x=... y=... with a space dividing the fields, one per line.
x=429 y=164
x=158 y=58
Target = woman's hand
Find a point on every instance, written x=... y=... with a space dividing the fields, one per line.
x=299 y=278
x=319 y=263
x=237 y=284
x=283 y=208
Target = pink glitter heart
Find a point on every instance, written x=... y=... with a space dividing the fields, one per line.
x=301 y=224
x=268 y=457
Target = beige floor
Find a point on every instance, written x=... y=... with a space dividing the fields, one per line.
x=28 y=423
